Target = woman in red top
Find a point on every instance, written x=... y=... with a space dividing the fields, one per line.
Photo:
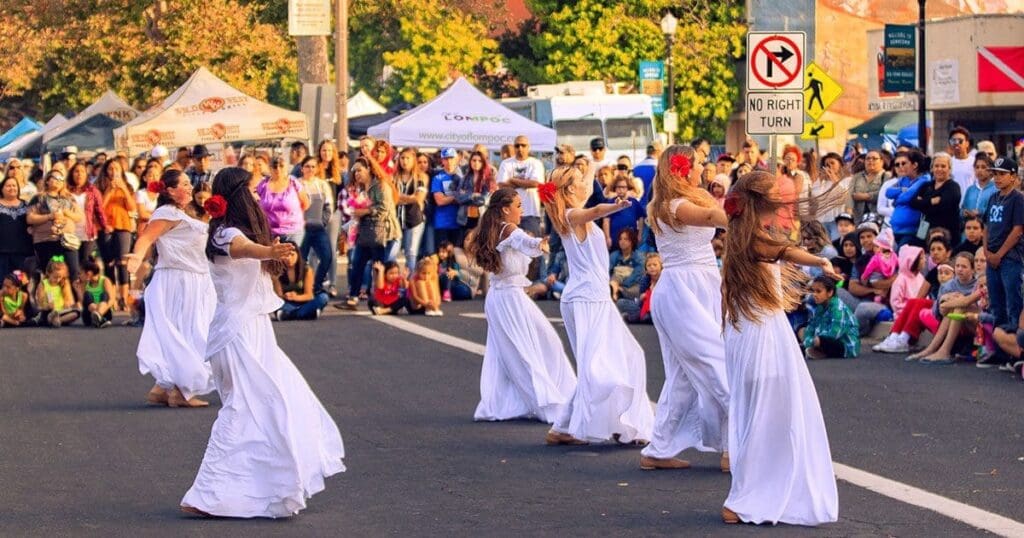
x=90 y=203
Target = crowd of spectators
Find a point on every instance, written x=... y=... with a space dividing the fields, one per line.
x=928 y=242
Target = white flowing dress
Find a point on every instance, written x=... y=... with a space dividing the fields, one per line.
x=611 y=393
x=525 y=373
x=779 y=452
x=179 y=307
x=686 y=305
x=273 y=442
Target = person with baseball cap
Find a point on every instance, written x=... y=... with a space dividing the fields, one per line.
x=1004 y=251
x=442 y=190
x=200 y=172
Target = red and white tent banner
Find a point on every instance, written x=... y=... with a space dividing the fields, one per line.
x=1001 y=69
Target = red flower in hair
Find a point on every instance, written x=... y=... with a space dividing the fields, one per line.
x=547 y=192
x=155 y=187
x=216 y=206
x=680 y=165
x=733 y=206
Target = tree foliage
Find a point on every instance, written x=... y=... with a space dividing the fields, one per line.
x=143 y=49
x=606 y=40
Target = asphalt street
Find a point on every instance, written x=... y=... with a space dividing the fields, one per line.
x=82 y=455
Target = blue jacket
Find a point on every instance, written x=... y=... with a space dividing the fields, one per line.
x=906 y=219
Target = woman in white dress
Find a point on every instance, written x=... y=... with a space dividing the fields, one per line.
x=525 y=373
x=273 y=442
x=781 y=463
x=179 y=298
x=611 y=401
x=686 y=306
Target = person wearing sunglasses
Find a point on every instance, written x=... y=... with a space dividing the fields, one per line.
x=905 y=220
x=962 y=157
x=524 y=173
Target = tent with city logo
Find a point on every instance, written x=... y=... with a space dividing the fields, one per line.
x=461 y=117
x=207 y=110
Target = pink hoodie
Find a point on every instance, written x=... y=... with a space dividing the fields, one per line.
x=907 y=283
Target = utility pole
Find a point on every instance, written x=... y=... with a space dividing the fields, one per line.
x=341 y=73
x=922 y=127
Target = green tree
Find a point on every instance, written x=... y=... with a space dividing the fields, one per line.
x=606 y=40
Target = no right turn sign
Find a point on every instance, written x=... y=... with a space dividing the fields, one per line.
x=775 y=60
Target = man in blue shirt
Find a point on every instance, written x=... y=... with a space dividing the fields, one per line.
x=442 y=189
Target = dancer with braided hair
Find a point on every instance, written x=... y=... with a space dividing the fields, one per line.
x=611 y=401
x=781 y=462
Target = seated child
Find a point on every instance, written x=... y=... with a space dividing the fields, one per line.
x=390 y=290
x=15 y=300
x=295 y=286
x=910 y=278
x=54 y=297
x=973 y=232
x=627 y=267
x=425 y=288
x=450 y=275
x=552 y=285
x=639 y=310
x=884 y=263
x=833 y=331
x=956 y=296
x=97 y=293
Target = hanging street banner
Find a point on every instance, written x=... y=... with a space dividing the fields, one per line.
x=652 y=82
x=900 y=58
x=309 y=17
x=775 y=61
x=820 y=91
x=775 y=113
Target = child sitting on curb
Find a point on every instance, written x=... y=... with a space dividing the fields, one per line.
x=833 y=331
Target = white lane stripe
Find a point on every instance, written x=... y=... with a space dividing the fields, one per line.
x=431 y=334
x=481 y=315
x=975 y=517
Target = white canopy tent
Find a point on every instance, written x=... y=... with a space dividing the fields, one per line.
x=461 y=117
x=207 y=110
x=361 y=104
x=27 y=143
x=109 y=103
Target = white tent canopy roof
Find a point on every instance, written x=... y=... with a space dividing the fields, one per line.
x=461 y=117
x=23 y=143
x=361 y=104
x=207 y=110
x=109 y=103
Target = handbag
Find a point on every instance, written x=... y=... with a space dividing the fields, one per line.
x=70 y=241
x=372 y=232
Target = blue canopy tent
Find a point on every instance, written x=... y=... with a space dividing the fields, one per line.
x=894 y=128
x=25 y=126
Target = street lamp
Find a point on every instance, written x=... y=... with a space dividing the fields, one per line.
x=668 y=27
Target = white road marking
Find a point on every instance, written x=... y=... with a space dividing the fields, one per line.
x=973 y=516
x=481 y=315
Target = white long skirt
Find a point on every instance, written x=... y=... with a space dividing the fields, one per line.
x=525 y=373
x=779 y=452
x=273 y=442
x=611 y=393
x=693 y=408
x=172 y=348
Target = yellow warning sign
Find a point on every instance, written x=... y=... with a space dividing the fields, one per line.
x=820 y=91
x=818 y=130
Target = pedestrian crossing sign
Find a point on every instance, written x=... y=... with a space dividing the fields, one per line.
x=820 y=91
x=818 y=130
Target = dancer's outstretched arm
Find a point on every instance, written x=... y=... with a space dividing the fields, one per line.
x=707 y=217
x=242 y=247
x=583 y=216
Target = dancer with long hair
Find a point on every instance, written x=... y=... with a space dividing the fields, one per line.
x=611 y=401
x=525 y=372
x=686 y=306
x=781 y=462
x=179 y=299
x=273 y=442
